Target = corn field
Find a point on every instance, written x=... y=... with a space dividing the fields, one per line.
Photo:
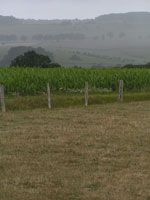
x=33 y=81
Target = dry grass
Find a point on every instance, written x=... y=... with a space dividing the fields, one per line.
x=99 y=153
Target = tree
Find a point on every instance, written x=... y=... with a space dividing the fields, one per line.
x=31 y=59
x=110 y=35
x=14 y=52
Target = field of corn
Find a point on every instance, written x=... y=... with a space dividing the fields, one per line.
x=33 y=81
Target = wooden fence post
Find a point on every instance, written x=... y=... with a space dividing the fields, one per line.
x=120 y=95
x=2 y=98
x=86 y=94
x=49 y=96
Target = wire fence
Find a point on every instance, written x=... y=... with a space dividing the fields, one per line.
x=51 y=99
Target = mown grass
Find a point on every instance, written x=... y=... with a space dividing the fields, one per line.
x=98 y=153
x=63 y=100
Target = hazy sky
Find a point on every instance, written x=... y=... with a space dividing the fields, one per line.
x=52 y=9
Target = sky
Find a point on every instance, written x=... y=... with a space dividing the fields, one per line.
x=69 y=9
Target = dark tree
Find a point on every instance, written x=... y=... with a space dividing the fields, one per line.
x=31 y=59
x=14 y=52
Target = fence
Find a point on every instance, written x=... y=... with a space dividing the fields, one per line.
x=2 y=98
x=49 y=95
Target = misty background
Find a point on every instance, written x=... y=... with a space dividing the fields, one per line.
x=77 y=32
x=69 y=9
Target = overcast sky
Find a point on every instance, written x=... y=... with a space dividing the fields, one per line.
x=68 y=9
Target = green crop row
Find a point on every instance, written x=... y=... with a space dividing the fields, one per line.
x=33 y=81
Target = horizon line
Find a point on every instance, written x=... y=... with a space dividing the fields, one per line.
x=73 y=19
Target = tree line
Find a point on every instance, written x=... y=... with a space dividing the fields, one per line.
x=40 y=37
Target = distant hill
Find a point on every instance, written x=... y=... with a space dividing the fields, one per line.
x=114 y=39
x=130 y=18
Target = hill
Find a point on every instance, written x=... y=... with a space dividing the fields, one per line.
x=114 y=39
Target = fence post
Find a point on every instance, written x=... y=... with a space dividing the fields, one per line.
x=2 y=98
x=49 y=96
x=120 y=95
x=86 y=94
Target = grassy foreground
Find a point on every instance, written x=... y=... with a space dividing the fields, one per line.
x=98 y=153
